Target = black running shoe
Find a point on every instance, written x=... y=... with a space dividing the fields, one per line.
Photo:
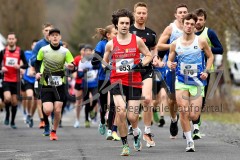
x=161 y=122
x=174 y=128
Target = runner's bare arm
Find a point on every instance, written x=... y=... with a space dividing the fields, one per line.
x=145 y=51
x=162 y=41
x=172 y=55
x=108 y=49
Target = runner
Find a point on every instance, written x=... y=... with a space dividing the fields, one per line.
x=191 y=74
x=78 y=87
x=149 y=37
x=124 y=51
x=216 y=48
x=159 y=91
x=171 y=33
x=10 y=59
x=103 y=82
x=28 y=80
x=44 y=123
x=50 y=71
x=90 y=83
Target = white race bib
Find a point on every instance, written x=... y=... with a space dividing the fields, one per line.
x=11 y=61
x=36 y=84
x=56 y=81
x=0 y=83
x=124 y=65
x=91 y=75
x=189 y=69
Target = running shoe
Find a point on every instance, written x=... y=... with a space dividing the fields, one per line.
x=109 y=135
x=76 y=124
x=53 y=136
x=41 y=125
x=28 y=119
x=190 y=147
x=87 y=124
x=155 y=117
x=30 y=123
x=13 y=126
x=102 y=128
x=6 y=122
x=174 y=128
x=125 y=150
x=137 y=142
x=161 y=122
x=149 y=140
x=46 y=130
x=115 y=136
x=196 y=134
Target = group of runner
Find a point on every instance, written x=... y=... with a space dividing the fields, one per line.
x=129 y=73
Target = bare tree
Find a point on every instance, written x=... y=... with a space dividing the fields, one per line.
x=22 y=17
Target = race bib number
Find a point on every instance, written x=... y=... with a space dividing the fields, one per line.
x=189 y=69
x=11 y=61
x=55 y=81
x=0 y=83
x=91 y=75
x=124 y=65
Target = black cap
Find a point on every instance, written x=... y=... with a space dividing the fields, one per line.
x=88 y=46
x=54 y=30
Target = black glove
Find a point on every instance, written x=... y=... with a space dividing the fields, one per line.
x=107 y=68
x=137 y=67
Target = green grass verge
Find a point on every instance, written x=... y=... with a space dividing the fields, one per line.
x=227 y=118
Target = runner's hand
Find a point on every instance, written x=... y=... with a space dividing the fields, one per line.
x=38 y=76
x=69 y=66
x=204 y=75
x=137 y=67
x=172 y=65
x=4 y=69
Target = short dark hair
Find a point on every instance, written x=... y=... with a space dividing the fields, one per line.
x=180 y=6
x=10 y=33
x=201 y=12
x=122 y=13
x=35 y=40
x=190 y=16
x=140 y=4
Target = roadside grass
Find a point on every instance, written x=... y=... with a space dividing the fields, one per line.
x=226 y=118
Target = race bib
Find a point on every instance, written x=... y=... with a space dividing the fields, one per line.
x=0 y=83
x=11 y=61
x=91 y=75
x=36 y=84
x=189 y=69
x=56 y=81
x=124 y=65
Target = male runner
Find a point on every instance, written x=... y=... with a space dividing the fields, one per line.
x=50 y=71
x=216 y=48
x=149 y=37
x=124 y=51
x=10 y=59
x=191 y=74
x=171 y=33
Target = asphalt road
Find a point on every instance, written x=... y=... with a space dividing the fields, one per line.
x=86 y=144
